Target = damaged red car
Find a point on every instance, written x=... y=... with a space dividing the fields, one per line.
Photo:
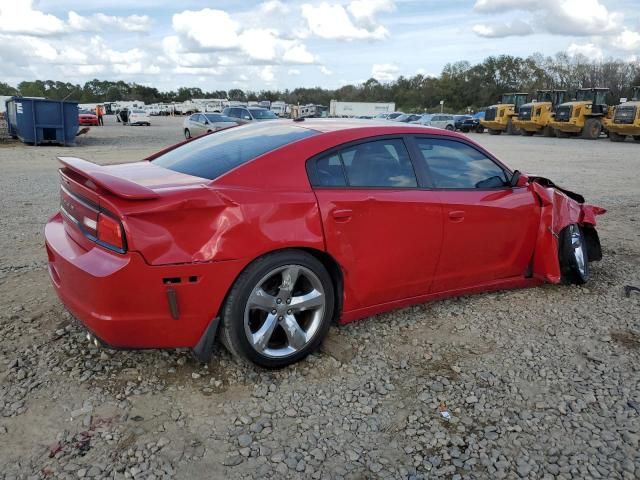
x=262 y=235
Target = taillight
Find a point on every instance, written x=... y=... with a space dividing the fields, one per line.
x=110 y=232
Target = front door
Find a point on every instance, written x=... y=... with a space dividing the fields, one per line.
x=490 y=228
x=384 y=231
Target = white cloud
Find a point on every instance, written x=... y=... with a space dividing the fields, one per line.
x=365 y=11
x=100 y=21
x=589 y=50
x=259 y=44
x=298 y=53
x=324 y=70
x=331 y=21
x=627 y=40
x=267 y=74
x=293 y=71
x=207 y=28
x=18 y=16
x=497 y=30
x=384 y=72
x=560 y=17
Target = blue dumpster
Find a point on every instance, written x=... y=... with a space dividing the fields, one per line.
x=37 y=120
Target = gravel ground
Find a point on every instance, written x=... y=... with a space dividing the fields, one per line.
x=538 y=383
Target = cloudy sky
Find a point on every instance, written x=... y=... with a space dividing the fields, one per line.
x=256 y=44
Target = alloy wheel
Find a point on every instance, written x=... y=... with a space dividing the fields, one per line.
x=284 y=311
x=578 y=249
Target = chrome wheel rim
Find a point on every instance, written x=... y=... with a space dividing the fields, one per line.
x=284 y=311
x=578 y=251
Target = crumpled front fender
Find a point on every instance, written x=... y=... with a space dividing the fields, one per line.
x=559 y=208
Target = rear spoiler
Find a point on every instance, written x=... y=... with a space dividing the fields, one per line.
x=99 y=175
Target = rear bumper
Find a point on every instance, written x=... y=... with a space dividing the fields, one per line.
x=527 y=125
x=124 y=301
x=566 y=127
x=493 y=125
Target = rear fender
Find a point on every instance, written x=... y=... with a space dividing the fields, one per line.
x=560 y=208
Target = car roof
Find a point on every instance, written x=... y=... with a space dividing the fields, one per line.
x=372 y=126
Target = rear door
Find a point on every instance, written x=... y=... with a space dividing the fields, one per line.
x=197 y=128
x=490 y=229
x=384 y=230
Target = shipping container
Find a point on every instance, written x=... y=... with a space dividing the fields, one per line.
x=37 y=121
x=358 y=109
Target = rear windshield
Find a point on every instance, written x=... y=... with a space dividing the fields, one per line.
x=216 y=154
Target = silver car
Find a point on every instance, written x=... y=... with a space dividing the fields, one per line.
x=423 y=120
x=440 y=120
x=201 y=123
x=250 y=114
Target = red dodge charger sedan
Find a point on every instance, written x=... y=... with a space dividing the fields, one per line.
x=266 y=233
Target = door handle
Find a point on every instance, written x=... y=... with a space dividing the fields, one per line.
x=343 y=214
x=456 y=215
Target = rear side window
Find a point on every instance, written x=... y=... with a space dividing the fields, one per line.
x=216 y=154
x=452 y=164
x=380 y=163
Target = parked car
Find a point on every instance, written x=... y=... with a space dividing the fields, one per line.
x=249 y=114
x=407 y=117
x=138 y=117
x=85 y=117
x=381 y=116
x=473 y=124
x=201 y=123
x=262 y=234
x=458 y=120
x=443 y=121
x=393 y=115
x=423 y=120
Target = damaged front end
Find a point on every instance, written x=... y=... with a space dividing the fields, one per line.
x=559 y=209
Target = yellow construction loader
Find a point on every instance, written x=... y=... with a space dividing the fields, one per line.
x=534 y=117
x=583 y=116
x=499 y=118
x=625 y=120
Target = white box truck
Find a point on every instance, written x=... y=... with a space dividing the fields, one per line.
x=359 y=109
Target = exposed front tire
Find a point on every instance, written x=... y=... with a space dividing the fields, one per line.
x=278 y=310
x=561 y=134
x=574 y=260
x=636 y=138
x=450 y=128
x=528 y=133
x=187 y=133
x=548 y=132
x=480 y=129
x=592 y=129
x=494 y=132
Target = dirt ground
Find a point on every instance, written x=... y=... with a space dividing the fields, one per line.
x=540 y=383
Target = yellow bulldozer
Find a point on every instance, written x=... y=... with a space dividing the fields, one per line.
x=535 y=117
x=583 y=116
x=625 y=120
x=499 y=118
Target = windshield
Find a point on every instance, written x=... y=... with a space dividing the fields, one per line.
x=216 y=154
x=508 y=98
x=262 y=114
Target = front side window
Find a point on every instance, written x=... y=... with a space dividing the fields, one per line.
x=453 y=164
x=380 y=163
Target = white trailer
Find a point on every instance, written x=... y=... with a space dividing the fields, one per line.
x=358 y=109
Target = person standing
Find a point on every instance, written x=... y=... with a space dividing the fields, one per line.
x=100 y=114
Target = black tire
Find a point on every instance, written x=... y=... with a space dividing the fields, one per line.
x=480 y=129
x=616 y=137
x=636 y=138
x=233 y=333
x=561 y=134
x=548 y=132
x=187 y=133
x=592 y=129
x=450 y=128
x=573 y=268
x=494 y=132
x=528 y=133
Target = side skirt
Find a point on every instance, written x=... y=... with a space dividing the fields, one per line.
x=504 y=284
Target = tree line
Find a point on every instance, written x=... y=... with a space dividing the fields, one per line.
x=461 y=85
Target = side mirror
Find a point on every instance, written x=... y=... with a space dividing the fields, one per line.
x=206 y=122
x=518 y=179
